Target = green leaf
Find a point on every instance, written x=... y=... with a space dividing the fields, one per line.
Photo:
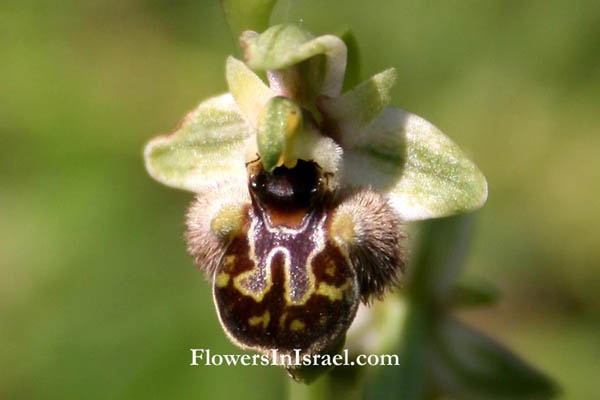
x=377 y=327
x=249 y=91
x=283 y=46
x=208 y=147
x=348 y=115
x=408 y=380
x=471 y=293
x=469 y=365
x=243 y=15
x=353 y=65
x=424 y=173
x=442 y=245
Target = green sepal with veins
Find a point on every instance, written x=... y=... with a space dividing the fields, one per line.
x=424 y=173
x=207 y=148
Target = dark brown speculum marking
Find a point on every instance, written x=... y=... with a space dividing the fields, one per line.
x=281 y=283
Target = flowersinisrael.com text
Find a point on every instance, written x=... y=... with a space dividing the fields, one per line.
x=206 y=358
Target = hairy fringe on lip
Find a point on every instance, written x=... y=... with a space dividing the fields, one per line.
x=373 y=234
x=205 y=242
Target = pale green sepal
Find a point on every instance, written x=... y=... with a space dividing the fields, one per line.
x=423 y=172
x=282 y=46
x=350 y=113
x=207 y=148
x=250 y=92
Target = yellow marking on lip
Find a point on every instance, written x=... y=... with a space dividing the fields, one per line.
x=297 y=325
x=258 y=297
x=229 y=260
x=238 y=281
x=228 y=221
x=265 y=318
x=282 y=319
x=330 y=270
x=343 y=229
x=333 y=292
x=222 y=279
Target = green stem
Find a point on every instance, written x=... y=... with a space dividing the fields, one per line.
x=341 y=383
x=301 y=391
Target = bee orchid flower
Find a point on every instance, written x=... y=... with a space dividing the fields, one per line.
x=302 y=190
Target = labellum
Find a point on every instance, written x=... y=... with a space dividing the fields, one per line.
x=297 y=257
x=287 y=277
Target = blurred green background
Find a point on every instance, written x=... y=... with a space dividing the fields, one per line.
x=98 y=298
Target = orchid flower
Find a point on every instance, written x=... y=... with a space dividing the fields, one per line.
x=302 y=190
